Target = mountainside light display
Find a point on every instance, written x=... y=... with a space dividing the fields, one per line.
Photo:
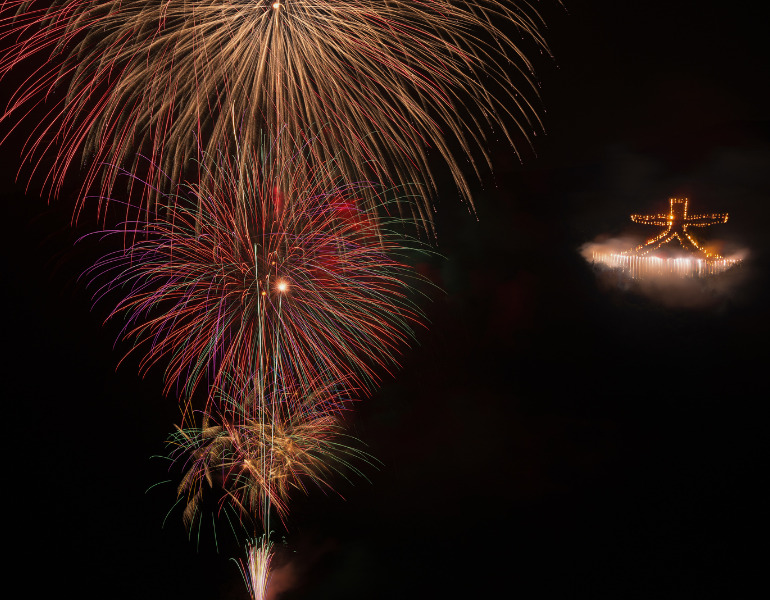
x=689 y=259
x=677 y=223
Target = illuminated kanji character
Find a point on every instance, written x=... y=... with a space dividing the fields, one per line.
x=677 y=223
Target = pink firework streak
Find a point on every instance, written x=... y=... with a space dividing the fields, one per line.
x=265 y=271
x=381 y=83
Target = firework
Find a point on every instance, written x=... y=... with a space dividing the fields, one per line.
x=382 y=83
x=244 y=277
x=265 y=443
x=256 y=572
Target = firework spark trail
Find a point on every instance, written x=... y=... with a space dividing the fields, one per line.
x=268 y=282
x=256 y=572
x=252 y=450
x=255 y=448
x=379 y=82
x=282 y=301
x=243 y=271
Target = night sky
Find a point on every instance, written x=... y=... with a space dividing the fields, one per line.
x=553 y=435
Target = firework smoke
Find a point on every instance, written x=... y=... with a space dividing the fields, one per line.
x=677 y=280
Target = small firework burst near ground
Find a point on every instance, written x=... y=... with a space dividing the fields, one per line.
x=256 y=571
x=252 y=451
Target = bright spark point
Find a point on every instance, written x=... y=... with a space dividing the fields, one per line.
x=276 y=5
x=282 y=286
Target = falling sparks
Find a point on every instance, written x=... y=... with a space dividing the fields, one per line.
x=218 y=281
x=382 y=84
x=265 y=270
x=270 y=438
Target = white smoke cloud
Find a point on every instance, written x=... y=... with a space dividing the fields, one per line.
x=666 y=288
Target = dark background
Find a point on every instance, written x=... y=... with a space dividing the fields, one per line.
x=553 y=435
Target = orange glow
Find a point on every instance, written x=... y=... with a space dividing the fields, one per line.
x=282 y=285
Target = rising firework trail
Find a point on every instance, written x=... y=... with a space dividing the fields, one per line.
x=264 y=435
x=269 y=436
x=256 y=571
x=380 y=83
x=285 y=301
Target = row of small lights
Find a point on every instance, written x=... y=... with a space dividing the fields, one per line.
x=656 y=265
